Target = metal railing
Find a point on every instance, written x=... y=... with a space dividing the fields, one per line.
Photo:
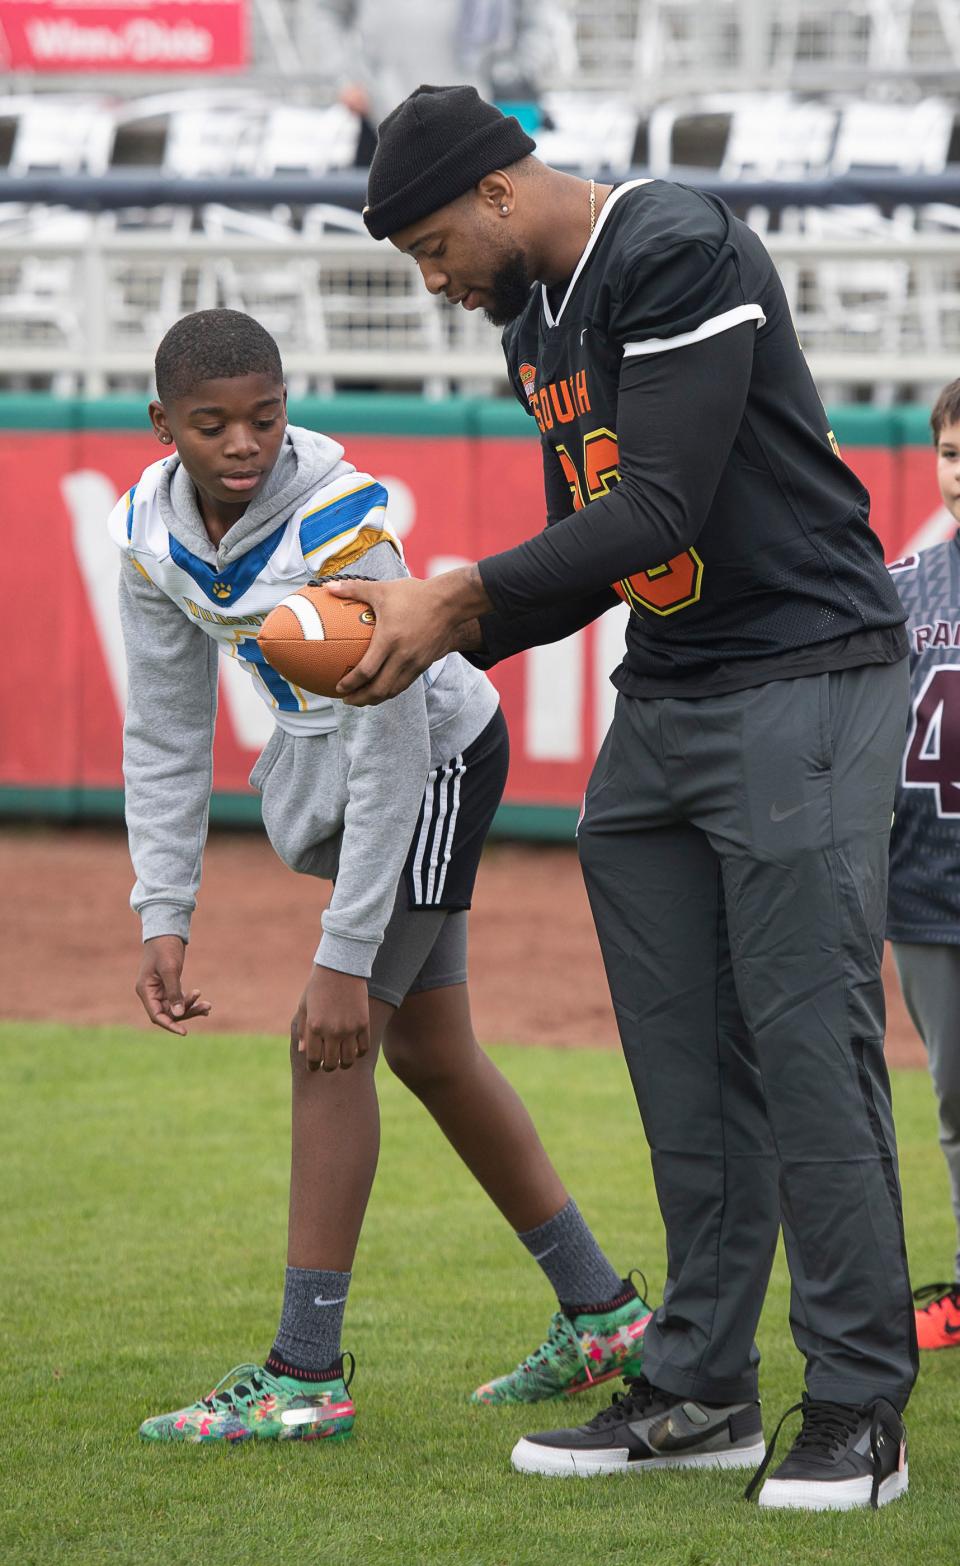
x=86 y=316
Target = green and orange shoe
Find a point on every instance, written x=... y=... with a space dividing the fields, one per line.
x=251 y=1403
x=580 y=1352
x=938 y=1319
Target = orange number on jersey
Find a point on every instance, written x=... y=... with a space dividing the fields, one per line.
x=663 y=589
x=666 y=588
x=572 y=476
x=601 y=462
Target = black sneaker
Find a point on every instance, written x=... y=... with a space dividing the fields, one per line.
x=645 y=1429
x=844 y=1457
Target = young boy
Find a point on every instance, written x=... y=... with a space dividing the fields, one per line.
x=393 y=804
x=924 y=908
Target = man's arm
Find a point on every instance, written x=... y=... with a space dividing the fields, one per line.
x=486 y=641
x=493 y=637
x=678 y=416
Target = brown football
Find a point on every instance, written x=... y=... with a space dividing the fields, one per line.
x=312 y=638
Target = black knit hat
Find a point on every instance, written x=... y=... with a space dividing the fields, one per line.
x=435 y=146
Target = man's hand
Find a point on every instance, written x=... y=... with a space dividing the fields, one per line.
x=417 y=623
x=332 y=1025
x=159 y=987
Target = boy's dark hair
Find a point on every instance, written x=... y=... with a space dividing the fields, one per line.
x=213 y=345
x=946 y=409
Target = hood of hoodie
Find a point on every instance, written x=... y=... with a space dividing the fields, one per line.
x=306 y=462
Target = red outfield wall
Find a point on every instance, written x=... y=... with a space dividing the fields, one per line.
x=464 y=480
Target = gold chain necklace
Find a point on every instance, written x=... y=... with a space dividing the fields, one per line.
x=593 y=206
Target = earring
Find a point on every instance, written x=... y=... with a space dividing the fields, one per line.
x=504 y=210
x=166 y=440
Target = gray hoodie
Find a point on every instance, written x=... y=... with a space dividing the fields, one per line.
x=340 y=803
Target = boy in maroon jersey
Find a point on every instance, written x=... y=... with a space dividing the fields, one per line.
x=923 y=919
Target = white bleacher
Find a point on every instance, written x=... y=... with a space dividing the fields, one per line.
x=669 y=47
x=296 y=140
x=754 y=89
x=882 y=304
x=778 y=137
x=906 y=138
x=60 y=134
x=588 y=128
x=768 y=135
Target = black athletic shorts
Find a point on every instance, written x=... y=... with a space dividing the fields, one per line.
x=458 y=806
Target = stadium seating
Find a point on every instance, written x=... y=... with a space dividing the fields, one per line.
x=806 y=91
x=62 y=134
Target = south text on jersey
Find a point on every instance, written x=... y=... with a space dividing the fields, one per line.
x=560 y=402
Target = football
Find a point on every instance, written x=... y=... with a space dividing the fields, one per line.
x=313 y=638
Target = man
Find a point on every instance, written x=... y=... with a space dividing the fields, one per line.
x=735 y=835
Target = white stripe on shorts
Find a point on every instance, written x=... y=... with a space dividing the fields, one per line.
x=441 y=796
x=424 y=837
x=458 y=772
x=438 y=834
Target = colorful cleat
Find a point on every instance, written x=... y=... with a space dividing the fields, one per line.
x=251 y=1403
x=938 y=1323
x=580 y=1352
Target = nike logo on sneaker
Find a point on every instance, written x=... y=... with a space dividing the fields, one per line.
x=669 y=1435
x=776 y=814
x=953 y=1331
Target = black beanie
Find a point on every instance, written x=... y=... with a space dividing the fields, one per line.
x=435 y=146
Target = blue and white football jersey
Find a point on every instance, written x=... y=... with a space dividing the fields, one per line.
x=924 y=903
x=338 y=524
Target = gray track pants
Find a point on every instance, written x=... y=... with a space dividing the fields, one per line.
x=930 y=980
x=735 y=855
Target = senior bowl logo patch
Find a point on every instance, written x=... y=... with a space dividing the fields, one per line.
x=528 y=375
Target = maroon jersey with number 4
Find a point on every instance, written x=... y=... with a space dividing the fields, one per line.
x=925 y=845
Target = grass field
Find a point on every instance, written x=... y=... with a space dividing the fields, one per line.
x=141 y=1247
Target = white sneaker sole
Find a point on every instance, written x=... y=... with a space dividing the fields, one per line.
x=559 y=1462
x=838 y=1495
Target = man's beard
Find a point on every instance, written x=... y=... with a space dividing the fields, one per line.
x=510 y=288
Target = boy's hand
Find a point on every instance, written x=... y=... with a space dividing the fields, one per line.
x=332 y=1025
x=159 y=988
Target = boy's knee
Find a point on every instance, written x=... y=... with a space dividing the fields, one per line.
x=400 y=1054
x=413 y=1062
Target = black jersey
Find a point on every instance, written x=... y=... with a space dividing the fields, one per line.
x=761 y=566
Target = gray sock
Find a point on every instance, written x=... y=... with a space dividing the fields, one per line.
x=308 y=1337
x=571 y=1258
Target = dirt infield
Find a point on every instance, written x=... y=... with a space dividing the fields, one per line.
x=70 y=943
